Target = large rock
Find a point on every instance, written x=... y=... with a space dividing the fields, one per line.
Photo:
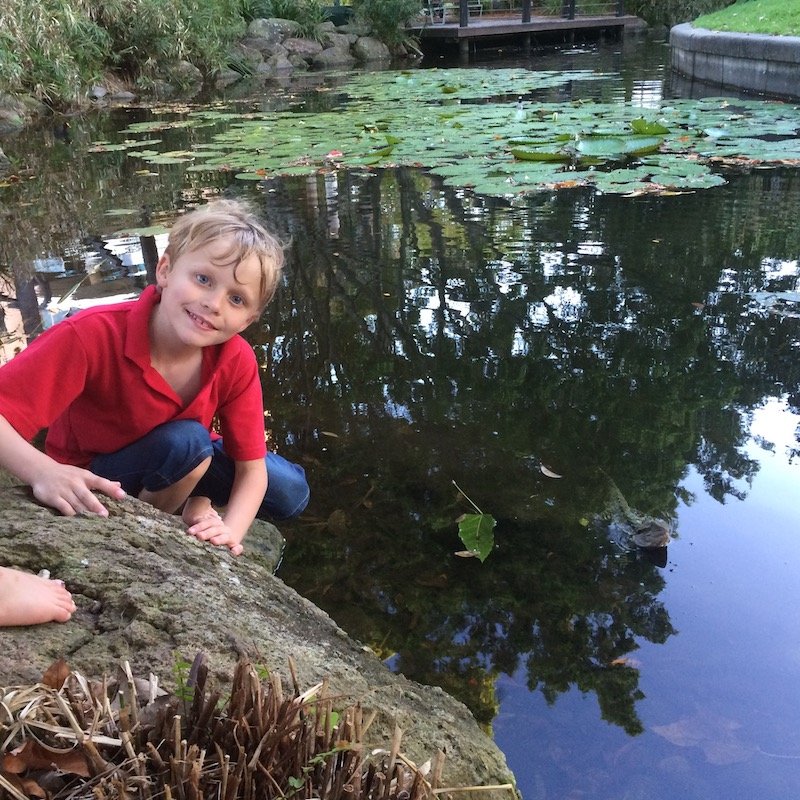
x=368 y=48
x=264 y=46
x=273 y=29
x=148 y=593
x=18 y=111
x=332 y=58
x=278 y=64
x=305 y=48
x=338 y=40
x=244 y=58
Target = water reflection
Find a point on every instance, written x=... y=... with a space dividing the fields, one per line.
x=474 y=341
x=426 y=335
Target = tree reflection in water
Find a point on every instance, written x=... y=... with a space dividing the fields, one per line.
x=427 y=335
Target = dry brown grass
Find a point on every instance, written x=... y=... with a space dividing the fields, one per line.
x=67 y=738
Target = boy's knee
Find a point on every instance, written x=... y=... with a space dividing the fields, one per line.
x=288 y=492
x=186 y=433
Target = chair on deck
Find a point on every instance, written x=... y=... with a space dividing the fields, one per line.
x=441 y=11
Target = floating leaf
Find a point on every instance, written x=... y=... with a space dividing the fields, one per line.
x=548 y=472
x=542 y=152
x=477 y=533
x=671 y=140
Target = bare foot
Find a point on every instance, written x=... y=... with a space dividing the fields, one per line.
x=27 y=599
x=196 y=509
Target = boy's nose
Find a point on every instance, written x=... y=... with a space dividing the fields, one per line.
x=211 y=300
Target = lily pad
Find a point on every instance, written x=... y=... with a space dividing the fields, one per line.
x=391 y=119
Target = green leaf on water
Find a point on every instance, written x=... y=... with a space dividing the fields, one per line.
x=648 y=128
x=477 y=533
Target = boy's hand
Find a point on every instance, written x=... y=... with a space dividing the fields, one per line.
x=215 y=531
x=69 y=490
x=205 y=523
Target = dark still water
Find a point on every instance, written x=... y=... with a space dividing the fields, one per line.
x=629 y=345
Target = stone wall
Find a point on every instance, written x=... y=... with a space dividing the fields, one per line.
x=766 y=65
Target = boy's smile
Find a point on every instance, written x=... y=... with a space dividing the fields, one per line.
x=205 y=299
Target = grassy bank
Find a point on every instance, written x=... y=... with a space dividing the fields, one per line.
x=777 y=17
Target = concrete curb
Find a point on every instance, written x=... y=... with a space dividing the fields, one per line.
x=750 y=62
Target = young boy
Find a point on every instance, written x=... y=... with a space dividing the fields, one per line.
x=129 y=391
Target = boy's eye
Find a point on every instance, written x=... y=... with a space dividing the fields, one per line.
x=237 y=300
x=201 y=278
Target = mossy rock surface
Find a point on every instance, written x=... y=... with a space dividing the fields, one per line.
x=148 y=593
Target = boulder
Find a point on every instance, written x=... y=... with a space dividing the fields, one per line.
x=298 y=62
x=18 y=111
x=306 y=48
x=338 y=40
x=355 y=29
x=149 y=594
x=266 y=47
x=274 y=29
x=225 y=77
x=244 y=58
x=333 y=58
x=276 y=65
x=122 y=96
x=368 y=48
x=184 y=73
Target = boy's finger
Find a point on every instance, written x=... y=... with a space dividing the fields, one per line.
x=91 y=504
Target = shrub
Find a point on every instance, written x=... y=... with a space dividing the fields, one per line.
x=257 y=9
x=387 y=18
x=308 y=14
x=55 y=48
x=671 y=12
x=51 y=48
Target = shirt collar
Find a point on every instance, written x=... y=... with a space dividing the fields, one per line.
x=137 y=331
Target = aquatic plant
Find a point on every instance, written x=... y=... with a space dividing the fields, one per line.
x=468 y=126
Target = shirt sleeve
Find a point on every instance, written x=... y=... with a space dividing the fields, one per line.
x=241 y=411
x=38 y=384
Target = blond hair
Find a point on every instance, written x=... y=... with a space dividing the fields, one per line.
x=236 y=222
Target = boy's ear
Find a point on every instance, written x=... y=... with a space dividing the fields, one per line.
x=162 y=269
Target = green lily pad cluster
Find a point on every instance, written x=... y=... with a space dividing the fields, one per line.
x=468 y=126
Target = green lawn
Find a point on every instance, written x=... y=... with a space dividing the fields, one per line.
x=781 y=17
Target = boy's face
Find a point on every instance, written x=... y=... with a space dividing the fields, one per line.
x=205 y=301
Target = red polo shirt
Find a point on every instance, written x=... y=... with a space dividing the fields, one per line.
x=89 y=380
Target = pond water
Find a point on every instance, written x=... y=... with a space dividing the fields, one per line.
x=425 y=336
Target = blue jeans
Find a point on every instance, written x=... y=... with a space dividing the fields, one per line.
x=171 y=451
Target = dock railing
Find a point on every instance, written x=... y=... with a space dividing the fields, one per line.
x=443 y=11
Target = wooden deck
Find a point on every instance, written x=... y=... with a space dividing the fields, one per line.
x=490 y=25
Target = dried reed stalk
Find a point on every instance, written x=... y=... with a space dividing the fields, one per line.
x=71 y=739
